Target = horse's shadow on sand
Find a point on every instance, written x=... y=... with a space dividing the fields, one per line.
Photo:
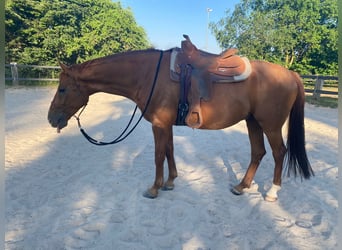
x=87 y=194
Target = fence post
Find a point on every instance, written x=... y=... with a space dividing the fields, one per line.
x=14 y=71
x=318 y=87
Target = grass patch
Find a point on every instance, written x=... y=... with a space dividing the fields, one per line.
x=323 y=101
x=31 y=83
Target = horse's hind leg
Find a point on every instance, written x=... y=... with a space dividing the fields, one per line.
x=256 y=138
x=278 y=150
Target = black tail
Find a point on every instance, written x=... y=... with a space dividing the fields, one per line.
x=297 y=160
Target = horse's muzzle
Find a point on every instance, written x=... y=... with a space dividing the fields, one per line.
x=58 y=121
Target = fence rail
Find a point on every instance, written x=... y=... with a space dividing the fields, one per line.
x=12 y=74
x=318 y=85
x=45 y=73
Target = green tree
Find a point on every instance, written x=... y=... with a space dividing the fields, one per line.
x=40 y=32
x=299 y=34
x=103 y=34
x=18 y=15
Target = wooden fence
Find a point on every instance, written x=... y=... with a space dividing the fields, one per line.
x=318 y=82
x=13 y=72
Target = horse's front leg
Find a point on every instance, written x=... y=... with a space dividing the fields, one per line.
x=163 y=141
x=169 y=185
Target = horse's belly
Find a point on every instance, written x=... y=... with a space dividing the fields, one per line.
x=222 y=116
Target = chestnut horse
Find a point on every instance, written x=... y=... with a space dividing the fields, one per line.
x=264 y=100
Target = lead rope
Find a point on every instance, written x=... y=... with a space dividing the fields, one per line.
x=122 y=136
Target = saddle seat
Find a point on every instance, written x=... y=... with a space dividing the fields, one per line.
x=207 y=69
x=225 y=67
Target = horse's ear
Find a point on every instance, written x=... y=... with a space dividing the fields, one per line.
x=64 y=67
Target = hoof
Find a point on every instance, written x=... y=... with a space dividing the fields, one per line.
x=235 y=191
x=148 y=194
x=270 y=198
x=272 y=195
x=168 y=187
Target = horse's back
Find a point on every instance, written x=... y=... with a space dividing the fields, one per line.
x=270 y=78
x=272 y=73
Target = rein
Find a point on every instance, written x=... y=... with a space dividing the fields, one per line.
x=122 y=136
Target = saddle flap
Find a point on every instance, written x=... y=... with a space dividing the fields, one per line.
x=175 y=65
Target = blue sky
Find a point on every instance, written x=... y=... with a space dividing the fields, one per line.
x=166 y=21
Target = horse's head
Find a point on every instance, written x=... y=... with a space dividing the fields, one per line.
x=69 y=98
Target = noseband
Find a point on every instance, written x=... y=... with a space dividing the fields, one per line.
x=123 y=134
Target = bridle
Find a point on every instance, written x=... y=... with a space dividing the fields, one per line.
x=124 y=134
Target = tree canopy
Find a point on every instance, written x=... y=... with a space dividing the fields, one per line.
x=299 y=34
x=42 y=31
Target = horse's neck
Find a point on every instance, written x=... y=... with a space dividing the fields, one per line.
x=122 y=75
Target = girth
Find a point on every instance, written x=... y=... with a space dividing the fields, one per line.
x=183 y=105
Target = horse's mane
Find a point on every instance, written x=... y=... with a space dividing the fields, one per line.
x=109 y=58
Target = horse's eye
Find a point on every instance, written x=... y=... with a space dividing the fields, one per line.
x=61 y=90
